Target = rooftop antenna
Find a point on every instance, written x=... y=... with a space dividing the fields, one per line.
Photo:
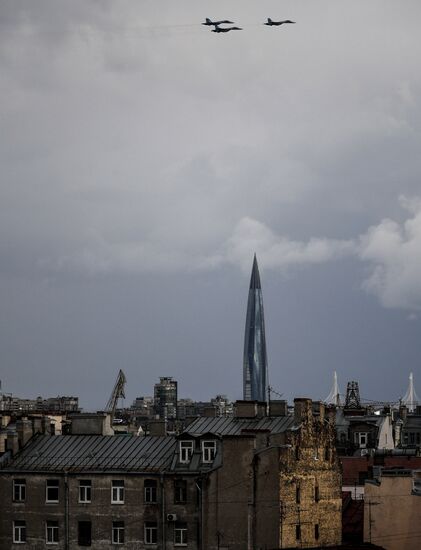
x=334 y=396
x=411 y=399
x=352 y=400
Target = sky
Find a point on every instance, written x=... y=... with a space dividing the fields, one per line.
x=145 y=159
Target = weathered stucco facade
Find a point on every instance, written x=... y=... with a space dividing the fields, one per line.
x=392 y=510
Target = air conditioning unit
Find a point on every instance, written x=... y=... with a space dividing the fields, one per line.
x=171 y=517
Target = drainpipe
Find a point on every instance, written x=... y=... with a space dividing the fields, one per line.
x=66 y=511
x=199 y=485
x=251 y=513
x=164 y=515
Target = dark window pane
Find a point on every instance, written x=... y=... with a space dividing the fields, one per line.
x=180 y=491
x=85 y=533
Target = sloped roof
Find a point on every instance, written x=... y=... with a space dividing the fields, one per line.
x=412 y=421
x=239 y=426
x=84 y=453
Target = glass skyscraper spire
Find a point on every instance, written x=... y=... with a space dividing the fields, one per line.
x=255 y=358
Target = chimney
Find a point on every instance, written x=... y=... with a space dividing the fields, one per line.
x=403 y=412
x=37 y=424
x=209 y=412
x=278 y=407
x=91 y=424
x=12 y=443
x=302 y=406
x=249 y=409
x=24 y=431
x=157 y=427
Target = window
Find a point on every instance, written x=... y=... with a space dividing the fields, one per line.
x=208 y=451
x=51 y=532
x=117 y=491
x=416 y=487
x=118 y=532
x=151 y=532
x=84 y=535
x=361 y=439
x=19 y=490
x=85 y=490
x=180 y=534
x=316 y=531
x=19 y=531
x=180 y=491
x=150 y=490
x=298 y=532
x=316 y=493
x=412 y=438
x=51 y=490
x=297 y=495
x=186 y=451
x=418 y=438
x=362 y=476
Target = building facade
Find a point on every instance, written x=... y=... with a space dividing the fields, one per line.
x=165 y=398
x=98 y=492
x=392 y=510
x=248 y=482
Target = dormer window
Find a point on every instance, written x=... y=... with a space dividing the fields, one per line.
x=208 y=451
x=186 y=451
x=361 y=439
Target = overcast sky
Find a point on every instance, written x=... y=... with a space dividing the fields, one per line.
x=144 y=159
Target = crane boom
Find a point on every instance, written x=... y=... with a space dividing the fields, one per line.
x=118 y=391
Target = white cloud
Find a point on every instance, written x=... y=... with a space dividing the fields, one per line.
x=393 y=251
x=279 y=252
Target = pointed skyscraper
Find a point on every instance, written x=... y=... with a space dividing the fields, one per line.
x=255 y=358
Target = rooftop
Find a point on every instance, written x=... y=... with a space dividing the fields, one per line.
x=240 y=426
x=87 y=453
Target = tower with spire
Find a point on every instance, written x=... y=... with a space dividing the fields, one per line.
x=411 y=399
x=255 y=358
x=334 y=396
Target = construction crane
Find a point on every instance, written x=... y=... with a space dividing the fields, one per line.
x=118 y=391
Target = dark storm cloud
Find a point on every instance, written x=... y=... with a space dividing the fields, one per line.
x=137 y=146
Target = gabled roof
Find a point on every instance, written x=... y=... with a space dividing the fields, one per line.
x=239 y=426
x=88 y=453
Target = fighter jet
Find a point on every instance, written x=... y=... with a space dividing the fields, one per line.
x=226 y=29
x=271 y=23
x=209 y=22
